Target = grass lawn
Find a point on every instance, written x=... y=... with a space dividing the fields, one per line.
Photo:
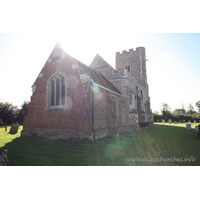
x=159 y=145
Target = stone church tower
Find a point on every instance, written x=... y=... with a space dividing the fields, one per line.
x=135 y=63
x=130 y=78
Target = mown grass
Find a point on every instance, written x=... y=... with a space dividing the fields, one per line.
x=168 y=141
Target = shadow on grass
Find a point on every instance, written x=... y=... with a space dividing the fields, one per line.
x=128 y=149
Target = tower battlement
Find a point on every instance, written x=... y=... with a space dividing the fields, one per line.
x=136 y=60
x=131 y=52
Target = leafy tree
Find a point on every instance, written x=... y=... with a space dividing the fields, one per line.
x=22 y=112
x=156 y=112
x=165 y=107
x=179 y=111
x=166 y=111
x=183 y=106
x=156 y=116
x=191 y=110
x=8 y=112
x=198 y=106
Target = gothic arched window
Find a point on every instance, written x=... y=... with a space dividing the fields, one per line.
x=56 y=90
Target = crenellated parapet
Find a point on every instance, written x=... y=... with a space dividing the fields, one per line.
x=131 y=52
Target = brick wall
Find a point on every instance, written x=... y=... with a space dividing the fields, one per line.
x=70 y=118
x=75 y=120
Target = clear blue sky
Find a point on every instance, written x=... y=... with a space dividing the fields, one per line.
x=84 y=29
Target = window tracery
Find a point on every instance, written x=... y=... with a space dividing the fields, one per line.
x=56 y=90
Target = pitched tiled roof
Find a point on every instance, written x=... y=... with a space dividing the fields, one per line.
x=97 y=77
x=98 y=62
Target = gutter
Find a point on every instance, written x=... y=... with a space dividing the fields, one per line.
x=92 y=82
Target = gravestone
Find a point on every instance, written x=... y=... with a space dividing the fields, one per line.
x=197 y=128
x=195 y=121
x=14 y=128
x=175 y=122
x=157 y=120
x=170 y=121
x=163 y=121
x=4 y=158
x=184 y=121
x=188 y=126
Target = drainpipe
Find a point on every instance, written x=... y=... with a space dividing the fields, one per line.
x=91 y=81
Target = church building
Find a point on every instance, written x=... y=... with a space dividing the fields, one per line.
x=73 y=100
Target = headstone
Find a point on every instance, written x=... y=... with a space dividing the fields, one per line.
x=188 y=126
x=14 y=128
x=197 y=128
x=184 y=121
x=157 y=120
x=170 y=121
x=4 y=158
x=175 y=122
x=195 y=121
x=163 y=121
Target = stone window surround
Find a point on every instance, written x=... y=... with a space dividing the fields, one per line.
x=57 y=74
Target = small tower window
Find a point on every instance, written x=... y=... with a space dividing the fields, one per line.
x=128 y=67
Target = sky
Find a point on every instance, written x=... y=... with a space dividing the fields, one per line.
x=85 y=28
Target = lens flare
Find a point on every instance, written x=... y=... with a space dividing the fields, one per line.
x=120 y=144
x=69 y=103
x=95 y=88
x=99 y=96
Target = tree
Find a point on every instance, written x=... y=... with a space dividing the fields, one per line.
x=22 y=112
x=156 y=112
x=179 y=111
x=183 y=106
x=8 y=112
x=191 y=110
x=198 y=106
x=166 y=111
x=165 y=107
x=156 y=116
